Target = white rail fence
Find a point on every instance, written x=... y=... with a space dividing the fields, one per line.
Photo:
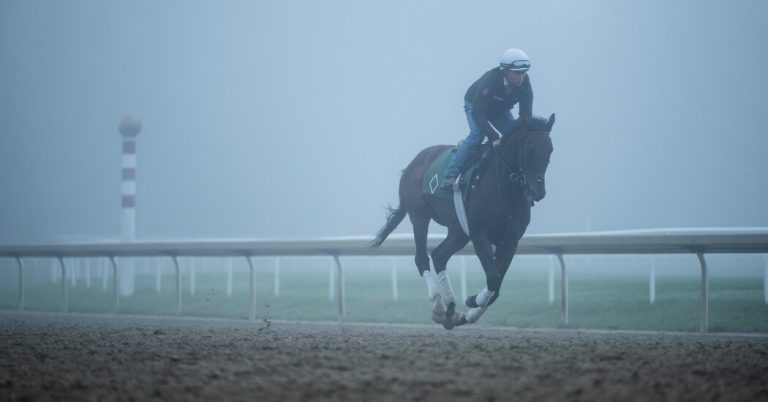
x=697 y=242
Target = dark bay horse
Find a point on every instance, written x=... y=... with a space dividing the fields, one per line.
x=498 y=211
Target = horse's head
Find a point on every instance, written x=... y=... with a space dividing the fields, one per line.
x=525 y=152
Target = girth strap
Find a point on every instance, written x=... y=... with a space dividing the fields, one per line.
x=458 y=203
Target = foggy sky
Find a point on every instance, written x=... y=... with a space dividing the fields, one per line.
x=295 y=118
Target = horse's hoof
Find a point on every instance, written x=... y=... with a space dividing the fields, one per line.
x=472 y=301
x=458 y=319
x=438 y=310
x=449 y=322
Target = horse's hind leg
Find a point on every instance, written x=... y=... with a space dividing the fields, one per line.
x=420 y=224
x=420 y=221
x=455 y=241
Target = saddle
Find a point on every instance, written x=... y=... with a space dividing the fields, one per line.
x=470 y=172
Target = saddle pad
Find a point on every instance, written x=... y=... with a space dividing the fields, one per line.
x=434 y=176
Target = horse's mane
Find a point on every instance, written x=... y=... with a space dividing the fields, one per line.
x=537 y=123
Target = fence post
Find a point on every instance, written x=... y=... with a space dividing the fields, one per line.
x=551 y=281
x=87 y=263
x=331 y=279
x=115 y=284
x=704 y=293
x=277 y=277
x=20 y=266
x=340 y=286
x=563 y=291
x=64 y=290
x=395 y=293
x=178 y=284
x=652 y=283
x=252 y=314
x=765 y=278
x=192 y=276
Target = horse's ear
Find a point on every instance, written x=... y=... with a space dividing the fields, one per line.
x=551 y=122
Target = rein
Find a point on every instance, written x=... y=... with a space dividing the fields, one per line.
x=518 y=175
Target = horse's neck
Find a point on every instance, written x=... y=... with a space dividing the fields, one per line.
x=497 y=191
x=499 y=214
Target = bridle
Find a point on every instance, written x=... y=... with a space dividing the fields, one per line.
x=519 y=175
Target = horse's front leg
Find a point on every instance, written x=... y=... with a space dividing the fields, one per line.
x=484 y=251
x=479 y=303
x=503 y=257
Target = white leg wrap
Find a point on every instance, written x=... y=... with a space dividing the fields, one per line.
x=431 y=287
x=474 y=314
x=446 y=287
x=483 y=297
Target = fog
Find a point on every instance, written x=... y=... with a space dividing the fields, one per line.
x=294 y=118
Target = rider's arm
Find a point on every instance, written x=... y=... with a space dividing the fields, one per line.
x=484 y=102
x=526 y=101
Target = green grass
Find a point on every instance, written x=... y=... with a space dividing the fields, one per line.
x=605 y=301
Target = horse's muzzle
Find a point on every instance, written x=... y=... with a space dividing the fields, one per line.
x=537 y=190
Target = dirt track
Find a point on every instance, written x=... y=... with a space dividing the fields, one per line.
x=54 y=357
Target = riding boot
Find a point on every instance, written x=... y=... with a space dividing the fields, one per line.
x=447 y=183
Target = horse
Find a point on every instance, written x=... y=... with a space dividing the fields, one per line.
x=498 y=211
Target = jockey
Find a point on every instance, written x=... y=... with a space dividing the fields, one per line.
x=488 y=103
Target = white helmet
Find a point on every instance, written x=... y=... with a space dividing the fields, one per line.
x=515 y=60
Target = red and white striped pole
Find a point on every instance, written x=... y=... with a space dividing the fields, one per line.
x=129 y=128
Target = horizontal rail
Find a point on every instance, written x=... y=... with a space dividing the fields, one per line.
x=657 y=241
x=654 y=241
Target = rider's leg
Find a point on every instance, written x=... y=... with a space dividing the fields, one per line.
x=474 y=138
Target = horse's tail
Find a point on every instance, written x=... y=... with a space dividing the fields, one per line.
x=394 y=217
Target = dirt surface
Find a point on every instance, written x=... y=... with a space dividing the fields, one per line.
x=74 y=357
